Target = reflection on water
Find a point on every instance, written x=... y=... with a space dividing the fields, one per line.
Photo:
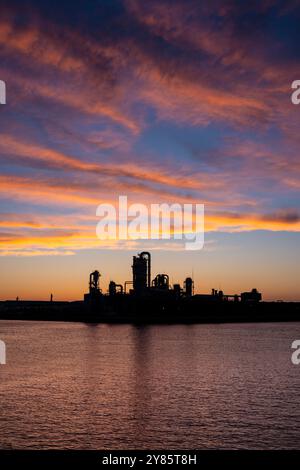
x=68 y=385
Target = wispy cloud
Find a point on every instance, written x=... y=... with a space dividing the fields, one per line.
x=91 y=87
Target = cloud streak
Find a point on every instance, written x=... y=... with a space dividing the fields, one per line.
x=165 y=101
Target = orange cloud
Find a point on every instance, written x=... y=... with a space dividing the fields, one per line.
x=54 y=237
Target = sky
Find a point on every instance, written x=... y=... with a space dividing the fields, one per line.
x=168 y=101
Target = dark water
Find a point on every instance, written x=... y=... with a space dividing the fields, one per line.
x=68 y=385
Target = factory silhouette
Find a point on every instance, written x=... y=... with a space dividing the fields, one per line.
x=159 y=287
x=148 y=300
x=143 y=300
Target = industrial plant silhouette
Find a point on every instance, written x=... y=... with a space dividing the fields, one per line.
x=142 y=286
x=145 y=300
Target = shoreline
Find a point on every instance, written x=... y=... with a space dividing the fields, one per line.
x=142 y=311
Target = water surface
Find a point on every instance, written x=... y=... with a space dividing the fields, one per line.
x=80 y=386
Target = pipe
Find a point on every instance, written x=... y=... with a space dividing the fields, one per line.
x=121 y=287
x=126 y=283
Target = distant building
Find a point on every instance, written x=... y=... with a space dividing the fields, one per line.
x=253 y=296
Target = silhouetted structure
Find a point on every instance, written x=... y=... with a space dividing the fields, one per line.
x=94 y=294
x=143 y=286
x=189 y=287
x=252 y=296
x=154 y=301
x=162 y=282
x=113 y=288
x=155 y=297
x=141 y=272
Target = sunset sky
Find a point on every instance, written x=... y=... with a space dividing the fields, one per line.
x=162 y=101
